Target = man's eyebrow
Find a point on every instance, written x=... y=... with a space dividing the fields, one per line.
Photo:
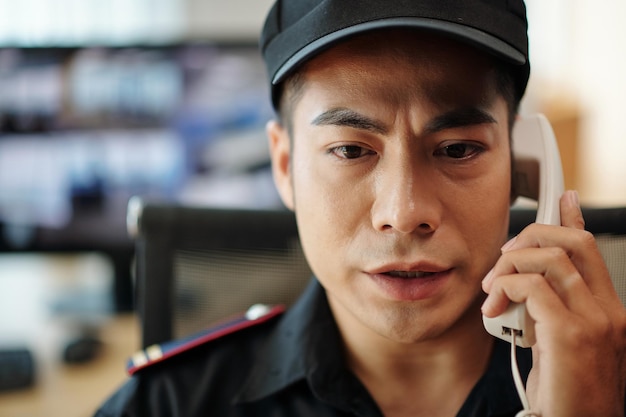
x=467 y=116
x=461 y=117
x=341 y=116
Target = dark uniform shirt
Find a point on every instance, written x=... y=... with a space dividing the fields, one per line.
x=284 y=365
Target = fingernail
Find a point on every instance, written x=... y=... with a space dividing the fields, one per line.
x=574 y=197
x=508 y=245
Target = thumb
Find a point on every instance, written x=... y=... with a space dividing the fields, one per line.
x=571 y=215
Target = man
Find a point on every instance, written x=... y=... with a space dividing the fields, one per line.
x=393 y=149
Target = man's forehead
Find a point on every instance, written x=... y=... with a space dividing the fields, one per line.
x=432 y=68
x=446 y=94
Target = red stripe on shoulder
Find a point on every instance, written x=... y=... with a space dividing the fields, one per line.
x=158 y=353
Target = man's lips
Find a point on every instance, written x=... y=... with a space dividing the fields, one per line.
x=411 y=282
x=409 y=274
x=420 y=270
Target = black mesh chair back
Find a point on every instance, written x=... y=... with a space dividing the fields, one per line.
x=197 y=266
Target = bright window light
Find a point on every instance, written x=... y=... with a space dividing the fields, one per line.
x=27 y=23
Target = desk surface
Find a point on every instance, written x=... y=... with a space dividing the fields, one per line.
x=63 y=390
x=60 y=390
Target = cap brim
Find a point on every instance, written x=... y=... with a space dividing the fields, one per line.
x=475 y=37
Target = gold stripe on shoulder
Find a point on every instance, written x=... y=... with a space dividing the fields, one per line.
x=139 y=359
x=154 y=352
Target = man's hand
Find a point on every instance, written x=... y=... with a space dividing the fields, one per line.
x=579 y=360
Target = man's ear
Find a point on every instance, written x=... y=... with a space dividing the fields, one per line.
x=280 y=153
x=514 y=175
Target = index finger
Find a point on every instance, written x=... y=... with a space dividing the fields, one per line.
x=580 y=246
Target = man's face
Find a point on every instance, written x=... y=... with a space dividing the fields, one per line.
x=399 y=174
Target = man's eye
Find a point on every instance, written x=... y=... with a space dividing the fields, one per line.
x=349 y=151
x=459 y=150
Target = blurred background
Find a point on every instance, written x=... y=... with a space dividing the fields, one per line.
x=167 y=99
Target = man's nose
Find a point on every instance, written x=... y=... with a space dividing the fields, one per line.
x=406 y=199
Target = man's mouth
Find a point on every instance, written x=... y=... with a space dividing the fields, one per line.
x=411 y=282
x=409 y=274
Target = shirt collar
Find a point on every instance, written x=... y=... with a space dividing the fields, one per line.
x=495 y=393
x=289 y=352
x=306 y=345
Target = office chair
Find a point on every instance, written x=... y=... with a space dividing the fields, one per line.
x=196 y=266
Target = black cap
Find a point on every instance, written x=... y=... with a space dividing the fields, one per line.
x=297 y=30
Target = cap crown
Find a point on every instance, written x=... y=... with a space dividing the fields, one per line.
x=297 y=30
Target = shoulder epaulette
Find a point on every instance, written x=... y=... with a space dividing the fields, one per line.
x=257 y=314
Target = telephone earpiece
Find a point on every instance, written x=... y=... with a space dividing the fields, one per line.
x=537 y=175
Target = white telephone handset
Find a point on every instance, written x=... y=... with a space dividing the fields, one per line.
x=538 y=176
